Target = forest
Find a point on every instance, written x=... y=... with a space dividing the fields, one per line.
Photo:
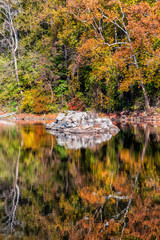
x=101 y=55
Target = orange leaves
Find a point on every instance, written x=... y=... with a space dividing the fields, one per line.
x=88 y=11
x=131 y=77
x=130 y=161
x=92 y=196
x=118 y=38
x=112 y=2
x=143 y=24
x=85 y=10
x=85 y=5
x=90 y=47
x=144 y=220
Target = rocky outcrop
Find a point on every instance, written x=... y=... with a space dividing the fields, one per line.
x=81 y=129
x=82 y=122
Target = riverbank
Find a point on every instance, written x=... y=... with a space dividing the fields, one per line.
x=124 y=116
x=29 y=116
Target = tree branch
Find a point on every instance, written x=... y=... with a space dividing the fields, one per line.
x=112 y=44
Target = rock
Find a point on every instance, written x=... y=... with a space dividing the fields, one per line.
x=48 y=126
x=84 y=123
x=107 y=121
x=60 y=116
x=86 y=127
x=114 y=130
x=91 y=121
x=104 y=125
x=107 y=137
x=81 y=129
x=97 y=120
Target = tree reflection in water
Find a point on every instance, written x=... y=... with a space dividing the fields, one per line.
x=110 y=191
x=10 y=198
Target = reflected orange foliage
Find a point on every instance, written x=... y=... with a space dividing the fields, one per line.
x=92 y=196
x=144 y=219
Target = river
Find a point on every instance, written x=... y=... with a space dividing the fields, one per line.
x=110 y=190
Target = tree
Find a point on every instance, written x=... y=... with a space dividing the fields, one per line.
x=104 y=16
x=8 y=33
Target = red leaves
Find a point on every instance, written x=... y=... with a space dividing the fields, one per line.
x=76 y=104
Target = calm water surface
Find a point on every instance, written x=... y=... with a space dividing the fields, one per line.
x=108 y=191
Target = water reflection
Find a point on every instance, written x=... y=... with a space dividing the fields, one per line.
x=111 y=191
x=78 y=141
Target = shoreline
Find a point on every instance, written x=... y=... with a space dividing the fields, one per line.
x=121 y=117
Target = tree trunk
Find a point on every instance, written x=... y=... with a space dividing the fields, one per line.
x=66 y=62
x=145 y=96
x=16 y=69
x=137 y=66
x=141 y=83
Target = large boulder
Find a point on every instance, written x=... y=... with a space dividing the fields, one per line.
x=74 y=122
x=60 y=116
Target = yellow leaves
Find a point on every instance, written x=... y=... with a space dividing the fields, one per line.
x=28 y=100
x=29 y=140
x=88 y=47
x=133 y=163
x=68 y=207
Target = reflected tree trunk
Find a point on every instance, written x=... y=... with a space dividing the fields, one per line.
x=12 y=201
x=147 y=134
x=124 y=212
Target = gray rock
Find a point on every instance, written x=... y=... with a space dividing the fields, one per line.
x=81 y=129
x=107 y=137
x=114 y=130
x=61 y=141
x=91 y=121
x=104 y=125
x=84 y=123
x=85 y=127
x=97 y=120
x=48 y=126
x=98 y=140
x=107 y=121
x=60 y=116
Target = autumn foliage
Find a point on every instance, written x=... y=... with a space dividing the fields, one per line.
x=104 y=52
x=76 y=104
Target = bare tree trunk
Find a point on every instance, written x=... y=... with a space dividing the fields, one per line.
x=52 y=94
x=125 y=31
x=8 y=33
x=145 y=96
x=66 y=62
x=147 y=135
x=16 y=69
x=136 y=179
x=135 y=60
x=137 y=66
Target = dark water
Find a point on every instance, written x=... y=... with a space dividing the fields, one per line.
x=109 y=191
